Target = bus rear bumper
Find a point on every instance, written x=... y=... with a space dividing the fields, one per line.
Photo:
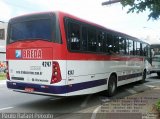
x=37 y=88
x=62 y=90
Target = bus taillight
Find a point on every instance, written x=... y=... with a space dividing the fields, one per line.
x=56 y=73
x=7 y=70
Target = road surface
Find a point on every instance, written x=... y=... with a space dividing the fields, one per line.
x=15 y=102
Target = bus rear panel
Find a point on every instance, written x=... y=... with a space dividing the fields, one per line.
x=33 y=52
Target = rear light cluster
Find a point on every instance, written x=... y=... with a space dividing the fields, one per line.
x=7 y=70
x=56 y=73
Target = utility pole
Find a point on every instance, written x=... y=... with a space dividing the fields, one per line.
x=111 y=2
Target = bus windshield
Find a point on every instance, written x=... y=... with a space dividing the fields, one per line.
x=35 y=29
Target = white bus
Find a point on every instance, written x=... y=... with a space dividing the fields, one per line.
x=55 y=53
x=155 y=48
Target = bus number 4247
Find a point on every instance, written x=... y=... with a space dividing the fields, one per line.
x=46 y=64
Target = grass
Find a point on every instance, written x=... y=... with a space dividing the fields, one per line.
x=158 y=105
x=2 y=76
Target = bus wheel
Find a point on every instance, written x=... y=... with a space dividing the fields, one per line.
x=144 y=75
x=112 y=86
x=158 y=73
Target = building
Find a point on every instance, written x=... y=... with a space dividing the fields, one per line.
x=3 y=37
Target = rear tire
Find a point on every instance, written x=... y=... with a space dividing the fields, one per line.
x=112 y=86
x=144 y=75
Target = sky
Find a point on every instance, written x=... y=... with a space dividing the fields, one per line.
x=112 y=16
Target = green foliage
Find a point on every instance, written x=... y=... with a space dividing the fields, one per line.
x=158 y=105
x=2 y=76
x=141 y=6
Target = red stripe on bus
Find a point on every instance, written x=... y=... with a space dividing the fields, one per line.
x=50 y=54
x=53 y=51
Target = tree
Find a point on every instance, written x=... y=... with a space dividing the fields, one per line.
x=140 y=6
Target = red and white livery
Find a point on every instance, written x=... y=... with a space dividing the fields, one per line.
x=55 y=53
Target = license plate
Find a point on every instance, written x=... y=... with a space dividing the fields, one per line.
x=29 y=90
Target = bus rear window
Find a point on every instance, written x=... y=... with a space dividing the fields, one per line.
x=34 y=29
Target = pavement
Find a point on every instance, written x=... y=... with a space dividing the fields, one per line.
x=2 y=82
x=138 y=104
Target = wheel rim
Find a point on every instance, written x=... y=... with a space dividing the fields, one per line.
x=112 y=86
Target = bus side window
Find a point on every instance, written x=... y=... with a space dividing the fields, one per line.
x=131 y=49
x=127 y=47
x=92 y=41
x=144 y=49
x=135 y=48
x=116 y=44
x=138 y=50
x=110 y=43
x=74 y=36
x=121 y=45
x=84 y=38
x=105 y=44
x=101 y=37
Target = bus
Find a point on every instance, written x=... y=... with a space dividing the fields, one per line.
x=55 y=53
x=155 y=48
x=3 y=34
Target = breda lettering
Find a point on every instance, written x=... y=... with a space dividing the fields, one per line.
x=32 y=53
